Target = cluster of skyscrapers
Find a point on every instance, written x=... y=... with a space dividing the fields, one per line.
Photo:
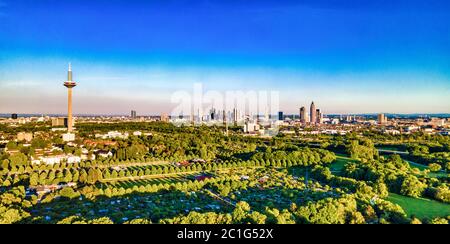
x=133 y=114
x=315 y=115
x=382 y=119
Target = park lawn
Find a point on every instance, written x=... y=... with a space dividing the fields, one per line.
x=439 y=174
x=418 y=166
x=340 y=162
x=421 y=167
x=420 y=207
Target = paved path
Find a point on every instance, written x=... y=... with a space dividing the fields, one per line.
x=215 y=195
x=393 y=151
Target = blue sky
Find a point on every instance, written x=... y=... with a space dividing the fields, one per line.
x=347 y=56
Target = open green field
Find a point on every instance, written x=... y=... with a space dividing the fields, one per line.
x=416 y=165
x=340 y=162
x=422 y=167
x=420 y=207
x=439 y=174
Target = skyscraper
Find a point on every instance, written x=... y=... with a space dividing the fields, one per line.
x=382 y=119
x=303 y=115
x=235 y=116
x=318 y=116
x=312 y=110
x=224 y=118
x=69 y=84
x=133 y=114
x=165 y=117
x=280 y=115
x=212 y=113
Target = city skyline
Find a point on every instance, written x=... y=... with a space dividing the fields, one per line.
x=358 y=58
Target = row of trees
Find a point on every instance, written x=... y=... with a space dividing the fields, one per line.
x=302 y=156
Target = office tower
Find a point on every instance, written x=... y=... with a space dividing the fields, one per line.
x=280 y=115
x=14 y=116
x=312 y=110
x=224 y=117
x=235 y=116
x=318 y=116
x=133 y=114
x=303 y=115
x=212 y=113
x=69 y=84
x=382 y=119
x=164 y=117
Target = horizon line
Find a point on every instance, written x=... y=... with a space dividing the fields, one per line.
x=3 y=115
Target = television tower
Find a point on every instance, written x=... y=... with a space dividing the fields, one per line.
x=69 y=84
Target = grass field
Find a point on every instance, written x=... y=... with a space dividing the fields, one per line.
x=419 y=207
x=416 y=165
x=340 y=162
x=439 y=174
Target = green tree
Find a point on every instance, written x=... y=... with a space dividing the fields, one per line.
x=434 y=167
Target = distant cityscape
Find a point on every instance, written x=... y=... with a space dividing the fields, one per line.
x=308 y=121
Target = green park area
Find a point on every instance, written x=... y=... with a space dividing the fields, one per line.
x=340 y=162
x=420 y=207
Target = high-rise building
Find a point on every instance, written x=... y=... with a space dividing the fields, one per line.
x=56 y=122
x=318 y=116
x=303 y=115
x=312 y=110
x=235 y=116
x=69 y=84
x=382 y=119
x=280 y=115
x=133 y=114
x=224 y=117
x=212 y=114
x=164 y=117
x=14 y=116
